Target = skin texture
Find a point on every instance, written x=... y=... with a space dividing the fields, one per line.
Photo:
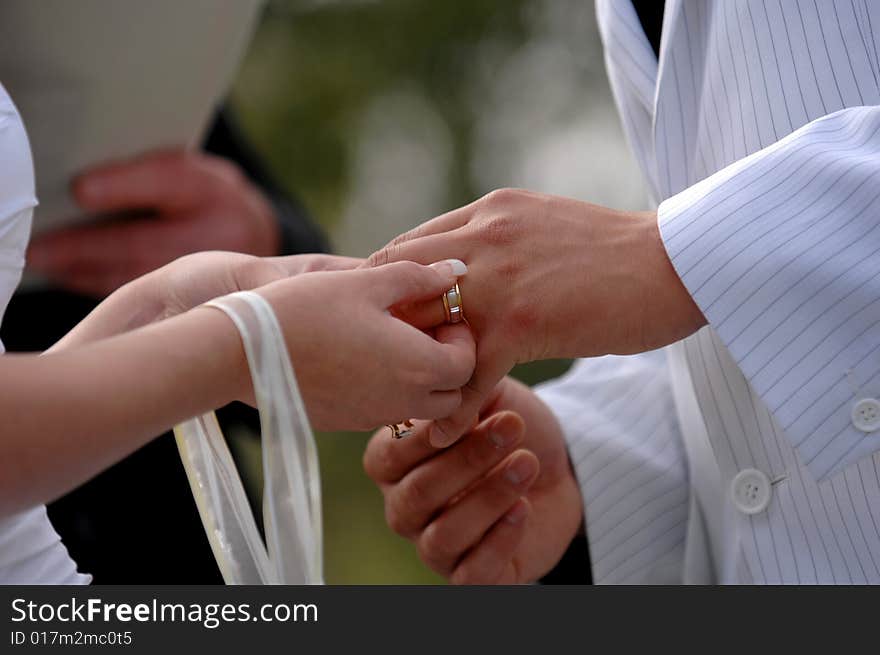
x=549 y=277
x=142 y=381
x=195 y=201
x=187 y=283
x=500 y=506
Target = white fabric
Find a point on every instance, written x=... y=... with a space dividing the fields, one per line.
x=759 y=131
x=293 y=548
x=30 y=550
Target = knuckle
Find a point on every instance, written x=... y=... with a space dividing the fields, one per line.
x=397 y=522
x=411 y=501
x=414 y=233
x=437 y=547
x=383 y=256
x=500 y=197
x=380 y=462
x=472 y=454
x=408 y=269
x=252 y=272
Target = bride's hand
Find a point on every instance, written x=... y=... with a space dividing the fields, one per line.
x=358 y=366
x=188 y=282
x=194 y=279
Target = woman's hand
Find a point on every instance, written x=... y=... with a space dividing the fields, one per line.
x=358 y=366
x=549 y=277
x=188 y=282
x=499 y=507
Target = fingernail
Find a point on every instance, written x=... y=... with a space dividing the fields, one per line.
x=517 y=513
x=520 y=470
x=455 y=266
x=503 y=433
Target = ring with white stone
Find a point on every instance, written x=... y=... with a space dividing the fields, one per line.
x=453 y=306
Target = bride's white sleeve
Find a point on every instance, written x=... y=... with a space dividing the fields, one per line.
x=619 y=419
x=31 y=551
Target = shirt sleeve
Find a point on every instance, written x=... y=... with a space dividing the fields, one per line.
x=619 y=420
x=781 y=251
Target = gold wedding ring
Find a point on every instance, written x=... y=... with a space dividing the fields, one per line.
x=401 y=430
x=453 y=307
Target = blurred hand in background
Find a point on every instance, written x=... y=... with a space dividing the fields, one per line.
x=191 y=202
x=500 y=506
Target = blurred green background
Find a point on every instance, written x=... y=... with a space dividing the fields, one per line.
x=380 y=115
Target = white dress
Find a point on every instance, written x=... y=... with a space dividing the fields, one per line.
x=31 y=551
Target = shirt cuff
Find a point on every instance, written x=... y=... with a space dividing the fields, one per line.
x=781 y=252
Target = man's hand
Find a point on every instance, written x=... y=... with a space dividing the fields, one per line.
x=196 y=202
x=549 y=277
x=499 y=507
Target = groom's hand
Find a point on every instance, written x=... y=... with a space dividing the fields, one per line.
x=499 y=507
x=549 y=277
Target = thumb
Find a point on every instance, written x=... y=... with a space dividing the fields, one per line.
x=410 y=282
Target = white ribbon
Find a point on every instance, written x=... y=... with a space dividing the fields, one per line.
x=293 y=551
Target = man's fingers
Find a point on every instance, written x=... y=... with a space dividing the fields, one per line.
x=442 y=544
x=426 y=250
x=387 y=460
x=433 y=484
x=491 y=561
x=447 y=222
x=169 y=180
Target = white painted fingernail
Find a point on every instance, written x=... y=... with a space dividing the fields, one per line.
x=457 y=266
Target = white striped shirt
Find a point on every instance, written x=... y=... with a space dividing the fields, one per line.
x=759 y=131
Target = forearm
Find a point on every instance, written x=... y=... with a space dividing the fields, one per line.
x=70 y=414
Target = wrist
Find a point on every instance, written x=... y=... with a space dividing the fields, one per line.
x=663 y=309
x=223 y=358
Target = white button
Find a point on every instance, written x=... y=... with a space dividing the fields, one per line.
x=866 y=414
x=750 y=491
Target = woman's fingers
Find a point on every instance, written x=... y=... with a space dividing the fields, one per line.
x=421 y=364
x=492 y=560
x=474 y=394
x=298 y=264
x=424 y=314
x=455 y=356
x=408 y=282
x=462 y=525
x=430 y=486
